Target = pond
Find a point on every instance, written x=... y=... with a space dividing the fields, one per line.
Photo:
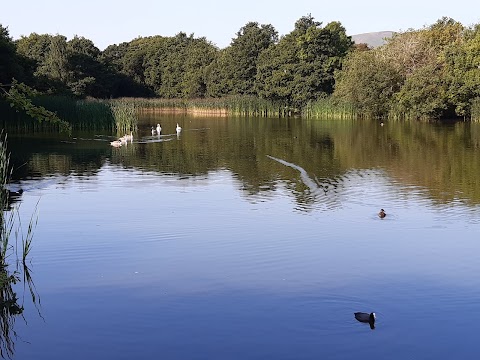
x=247 y=238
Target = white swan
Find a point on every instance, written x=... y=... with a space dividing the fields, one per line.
x=129 y=137
x=178 y=128
x=153 y=131
x=116 y=143
x=159 y=129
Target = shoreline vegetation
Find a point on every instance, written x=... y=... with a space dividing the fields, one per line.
x=121 y=115
x=15 y=247
x=315 y=71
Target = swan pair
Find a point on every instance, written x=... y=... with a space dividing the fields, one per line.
x=123 y=140
x=158 y=129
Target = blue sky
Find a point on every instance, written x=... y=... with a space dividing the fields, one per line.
x=113 y=22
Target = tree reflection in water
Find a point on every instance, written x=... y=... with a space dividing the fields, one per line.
x=13 y=261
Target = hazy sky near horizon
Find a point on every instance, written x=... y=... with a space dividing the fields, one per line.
x=113 y=22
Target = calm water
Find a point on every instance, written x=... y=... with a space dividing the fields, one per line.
x=252 y=239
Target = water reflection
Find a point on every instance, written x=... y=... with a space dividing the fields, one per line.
x=247 y=229
x=13 y=196
x=440 y=159
x=11 y=306
x=14 y=249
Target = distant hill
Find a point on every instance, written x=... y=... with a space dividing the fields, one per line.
x=372 y=39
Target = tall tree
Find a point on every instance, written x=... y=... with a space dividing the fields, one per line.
x=301 y=67
x=463 y=72
x=8 y=63
x=56 y=60
x=235 y=70
x=368 y=82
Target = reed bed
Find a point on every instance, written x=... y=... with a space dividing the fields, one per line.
x=19 y=122
x=88 y=114
x=81 y=114
x=230 y=105
x=328 y=108
x=125 y=115
x=4 y=176
x=10 y=220
x=10 y=224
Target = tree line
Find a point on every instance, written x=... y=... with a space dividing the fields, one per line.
x=431 y=72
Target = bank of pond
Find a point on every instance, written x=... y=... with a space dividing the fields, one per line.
x=122 y=114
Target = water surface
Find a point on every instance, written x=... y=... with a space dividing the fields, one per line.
x=253 y=239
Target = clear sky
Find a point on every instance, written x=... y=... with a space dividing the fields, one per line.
x=112 y=22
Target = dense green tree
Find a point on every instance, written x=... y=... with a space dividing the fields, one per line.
x=55 y=64
x=427 y=73
x=175 y=67
x=368 y=81
x=276 y=70
x=83 y=66
x=172 y=68
x=423 y=94
x=113 y=56
x=34 y=46
x=8 y=57
x=133 y=60
x=463 y=72
x=425 y=91
x=431 y=72
x=200 y=56
x=217 y=80
x=300 y=68
x=120 y=83
x=36 y=49
x=234 y=71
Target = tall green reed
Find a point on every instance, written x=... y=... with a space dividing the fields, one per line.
x=10 y=223
x=86 y=114
x=125 y=115
x=329 y=108
x=244 y=105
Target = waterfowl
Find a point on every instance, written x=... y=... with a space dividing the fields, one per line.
x=116 y=143
x=366 y=318
x=382 y=214
x=153 y=131
x=178 y=128
x=15 y=194
x=159 y=129
x=129 y=137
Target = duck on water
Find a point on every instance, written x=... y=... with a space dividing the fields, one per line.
x=366 y=318
x=382 y=214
